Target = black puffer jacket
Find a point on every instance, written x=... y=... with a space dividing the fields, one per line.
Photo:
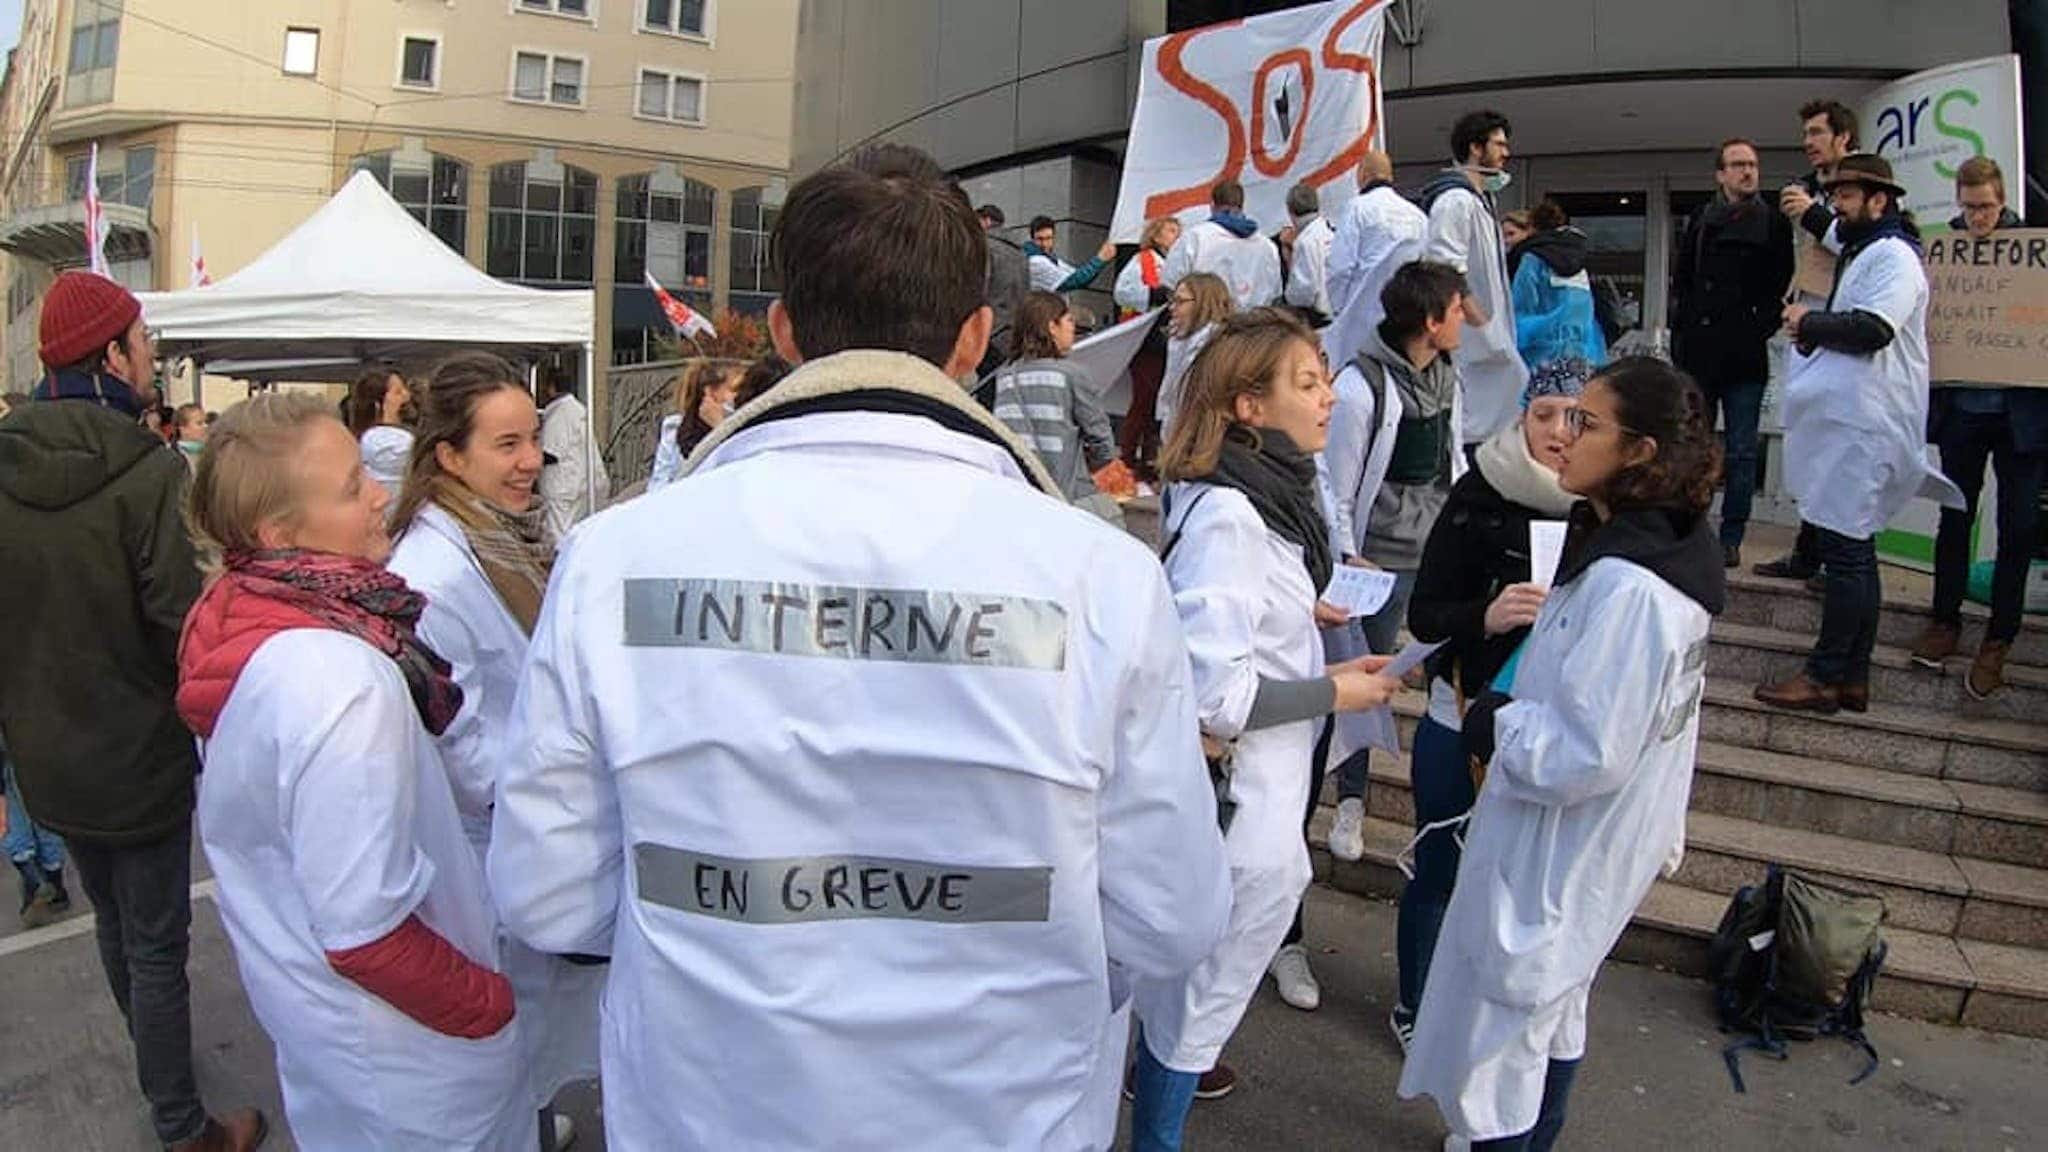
x=101 y=574
x=1479 y=546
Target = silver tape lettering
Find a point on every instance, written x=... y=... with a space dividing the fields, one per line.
x=846 y=623
x=807 y=889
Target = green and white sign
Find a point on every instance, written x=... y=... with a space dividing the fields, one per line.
x=1928 y=123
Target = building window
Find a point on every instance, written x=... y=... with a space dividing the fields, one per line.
x=301 y=51
x=754 y=282
x=437 y=195
x=577 y=9
x=419 y=62
x=671 y=96
x=543 y=228
x=95 y=42
x=665 y=231
x=676 y=17
x=542 y=78
x=127 y=176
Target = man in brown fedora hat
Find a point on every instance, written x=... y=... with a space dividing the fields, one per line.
x=1855 y=409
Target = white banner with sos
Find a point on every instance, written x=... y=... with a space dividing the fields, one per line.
x=1273 y=101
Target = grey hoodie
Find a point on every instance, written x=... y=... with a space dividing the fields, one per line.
x=1403 y=513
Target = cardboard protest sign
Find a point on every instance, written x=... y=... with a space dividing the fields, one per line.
x=1280 y=99
x=1987 y=311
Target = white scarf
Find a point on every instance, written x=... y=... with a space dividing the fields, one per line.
x=1520 y=479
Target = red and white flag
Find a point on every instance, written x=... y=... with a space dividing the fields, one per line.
x=683 y=318
x=95 y=216
x=200 y=276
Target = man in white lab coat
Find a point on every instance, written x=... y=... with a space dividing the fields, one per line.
x=1228 y=245
x=1376 y=233
x=1464 y=232
x=1855 y=408
x=871 y=763
x=567 y=471
x=1308 y=269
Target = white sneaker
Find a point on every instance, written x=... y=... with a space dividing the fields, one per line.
x=1456 y=1143
x=1347 y=835
x=1298 y=986
x=565 y=1132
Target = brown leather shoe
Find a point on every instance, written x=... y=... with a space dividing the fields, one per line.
x=1854 y=697
x=1987 y=672
x=1801 y=695
x=1936 y=645
x=1216 y=1083
x=243 y=1130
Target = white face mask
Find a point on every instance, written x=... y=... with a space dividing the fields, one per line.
x=1495 y=179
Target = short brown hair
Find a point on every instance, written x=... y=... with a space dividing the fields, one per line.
x=1242 y=358
x=366 y=398
x=1227 y=194
x=245 y=476
x=457 y=386
x=883 y=251
x=1721 y=153
x=1212 y=300
x=1981 y=172
x=1841 y=119
x=1655 y=400
x=1029 y=338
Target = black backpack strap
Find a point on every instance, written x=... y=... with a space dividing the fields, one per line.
x=1166 y=516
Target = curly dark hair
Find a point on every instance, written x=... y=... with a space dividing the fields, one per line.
x=1656 y=401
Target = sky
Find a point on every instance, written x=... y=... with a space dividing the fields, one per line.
x=10 y=23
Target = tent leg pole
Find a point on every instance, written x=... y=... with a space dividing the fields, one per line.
x=590 y=424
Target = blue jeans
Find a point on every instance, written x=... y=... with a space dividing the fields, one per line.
x=1442 y=787
x=1161 y=1098
x=1742 y=409
x=24 y=841
x=1967 y=442
x=1848 y=612
x=1383 y=635
x=1557 y=1090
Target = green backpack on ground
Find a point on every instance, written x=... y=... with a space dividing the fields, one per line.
x=1794 y=959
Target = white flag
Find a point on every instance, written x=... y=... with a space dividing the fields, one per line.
x=686 y=320
x=200 y=277
x=95 y=216
x=1282 y=99
x=1107 y=356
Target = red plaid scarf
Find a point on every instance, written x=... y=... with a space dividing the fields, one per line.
x=339 y=592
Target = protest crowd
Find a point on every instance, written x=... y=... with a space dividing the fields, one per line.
x=862 y=783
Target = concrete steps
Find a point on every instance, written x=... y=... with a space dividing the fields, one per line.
x=1927 y=975
x=1746 y=652
x=1786 y=605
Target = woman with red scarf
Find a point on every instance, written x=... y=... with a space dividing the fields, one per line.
x=358 y=912
x=1139 y=288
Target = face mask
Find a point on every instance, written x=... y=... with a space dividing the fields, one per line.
x=1495 y=179
x=728 y=407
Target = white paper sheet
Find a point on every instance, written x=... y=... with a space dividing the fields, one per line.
x=1410 y=658
x=1358 y=591
x=1546 y=550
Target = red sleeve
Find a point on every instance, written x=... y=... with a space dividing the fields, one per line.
x=416 y=971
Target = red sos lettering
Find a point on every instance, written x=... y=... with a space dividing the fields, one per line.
x=1241 y=141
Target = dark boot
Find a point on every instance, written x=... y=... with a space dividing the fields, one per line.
x=61 y=901
x=241 y=1131
x=1800 y=694
x=31 y=880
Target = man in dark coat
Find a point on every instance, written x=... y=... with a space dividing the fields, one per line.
x=92 y=534
x=1734 y=263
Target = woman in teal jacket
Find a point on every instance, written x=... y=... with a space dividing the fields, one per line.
x=1553 y=296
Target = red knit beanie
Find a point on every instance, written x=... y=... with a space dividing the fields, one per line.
x=82 y=313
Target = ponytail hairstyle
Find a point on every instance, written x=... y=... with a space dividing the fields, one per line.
x=702 y=377
x=366 y=399
x=1244 y=357
x=1030 y=334
x=1548 y=214
x=1656 y=401
x=458 y=385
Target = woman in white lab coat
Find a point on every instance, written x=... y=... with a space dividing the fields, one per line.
x=471 y=538
x=378 y=405
x=1247 y=554
x=361 y=925
x=1197 y=303
x=1590 y=759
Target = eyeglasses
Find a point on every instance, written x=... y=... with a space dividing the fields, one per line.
x=1581 y=422
x=1177 y=301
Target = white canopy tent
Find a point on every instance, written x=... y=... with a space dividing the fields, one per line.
x=362 y=282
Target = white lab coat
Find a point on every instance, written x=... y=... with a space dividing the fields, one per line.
x=1249 y=265
x=874 y=1029
x=327 y=820
x=1583 y=803
x=1377 y=232
x=1048 y=272
x=386 y=449
x=1249 y=610
x=668 y=455
x=1180 y=353
x=1307 y=276
x=1856 y=426
x=1465 y=235
x=470 y=627
x=565 y=484
x=1131 y=291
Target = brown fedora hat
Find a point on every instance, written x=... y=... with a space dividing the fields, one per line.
x=1868 y=169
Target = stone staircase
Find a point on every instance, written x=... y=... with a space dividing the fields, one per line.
x=1935 y=802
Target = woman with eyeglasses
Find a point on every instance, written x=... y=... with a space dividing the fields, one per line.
x=1588 y=755
x=1199 y=301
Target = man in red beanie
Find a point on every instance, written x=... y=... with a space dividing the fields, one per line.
x=91 y=532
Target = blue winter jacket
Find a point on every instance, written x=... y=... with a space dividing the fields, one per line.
x=1554 y=299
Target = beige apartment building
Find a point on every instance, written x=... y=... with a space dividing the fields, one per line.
x=556 y=143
